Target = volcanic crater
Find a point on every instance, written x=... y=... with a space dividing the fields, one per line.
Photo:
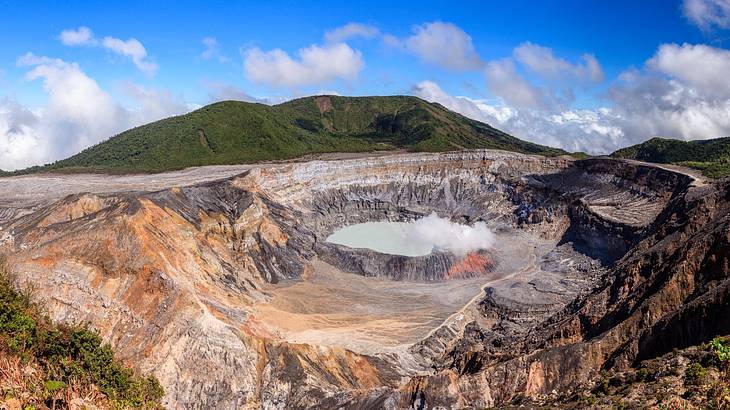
x=223 y=284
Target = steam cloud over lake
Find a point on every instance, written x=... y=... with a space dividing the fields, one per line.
x=440 y=233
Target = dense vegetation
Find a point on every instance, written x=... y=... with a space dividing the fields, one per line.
x=65 y=361
x=234 y=132
x=712 y=157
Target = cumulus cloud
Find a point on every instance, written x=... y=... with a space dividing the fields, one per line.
x=212 y=50
x=708 y=14
x=652 y=105
x=154 y=104
x=79 y=113
x=701 y=67
x=83 y=36
x=315 y=65
x=77 y=106
x=671 y=96
x=19 y=147
x=591 y=131
x=441 y=44
x=442 y=234
x=504 y=82
x=132 y=48
x=544 y=62
x=506 y=78
x=351 y=30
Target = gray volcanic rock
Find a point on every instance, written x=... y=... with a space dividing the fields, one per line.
x=669 y=291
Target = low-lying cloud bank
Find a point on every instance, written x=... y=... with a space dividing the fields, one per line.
x=79 y=113
x=442 y=234
x=671 y=96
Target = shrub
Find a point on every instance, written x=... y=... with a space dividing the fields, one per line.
x=719 y=394
x=721 y=349
x=694 y=374
x=68 y=354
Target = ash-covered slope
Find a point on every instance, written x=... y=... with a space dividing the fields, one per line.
x=227 y=291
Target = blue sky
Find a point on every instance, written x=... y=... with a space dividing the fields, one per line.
x=581 y=75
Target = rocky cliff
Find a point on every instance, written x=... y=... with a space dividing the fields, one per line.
x=668 y=292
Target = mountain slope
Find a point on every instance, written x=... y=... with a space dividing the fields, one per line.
x=710 y=156
x=233 y=132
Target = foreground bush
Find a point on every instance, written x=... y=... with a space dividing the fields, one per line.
x=47 y=365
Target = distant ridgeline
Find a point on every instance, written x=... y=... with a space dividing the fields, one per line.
x=234 y=132
x=712 y=157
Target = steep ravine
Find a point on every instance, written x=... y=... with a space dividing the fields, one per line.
x=228 y=292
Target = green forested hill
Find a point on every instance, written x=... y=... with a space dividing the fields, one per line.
x=234 y=132
x=712 y=157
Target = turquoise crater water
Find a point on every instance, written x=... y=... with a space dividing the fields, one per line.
x=416 y=238
x=384 y=237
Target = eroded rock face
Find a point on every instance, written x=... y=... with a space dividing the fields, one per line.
x=210 y=286
x=669 y=291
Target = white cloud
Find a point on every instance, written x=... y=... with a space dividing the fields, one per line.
x=651 y=105
x=212 y=50
x=315 y=65
x=672 y=96
x=19 y=147
x=543 y=61
x=132 y=49
x=154 y=104
x=79 y=37
x=75 y=100
x=504 y=82
x=698 y=66
x=680 y=93
x=441 y=44
x=573 y=130
x=558 y=78
x=4 y=84
x=78 y=114
x=351 y=30
x=708 y=14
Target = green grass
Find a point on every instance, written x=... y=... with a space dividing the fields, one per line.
x=234 y=132
x=68 y=354
x=712 y=157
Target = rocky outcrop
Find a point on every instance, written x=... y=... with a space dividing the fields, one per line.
x=669 y=291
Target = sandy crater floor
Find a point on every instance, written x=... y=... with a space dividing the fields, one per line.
x=376 y=315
